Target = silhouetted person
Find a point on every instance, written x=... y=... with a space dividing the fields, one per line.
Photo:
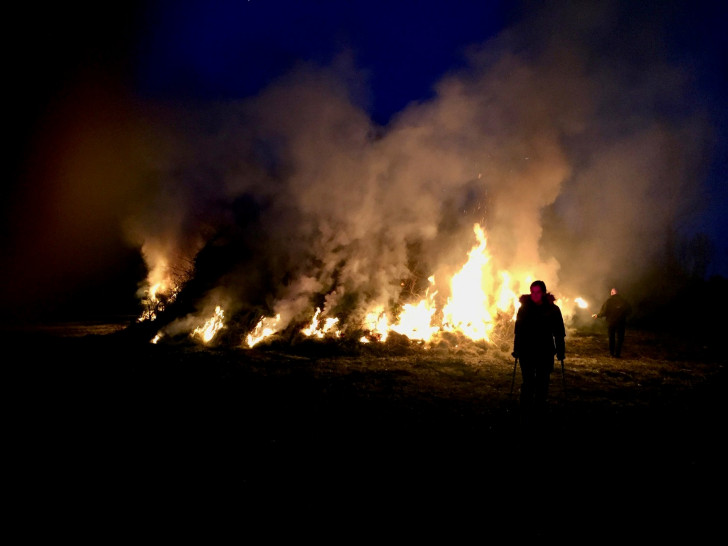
x=616 y=310
x=539 y=335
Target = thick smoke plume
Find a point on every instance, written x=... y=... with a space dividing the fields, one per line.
x=328 y=210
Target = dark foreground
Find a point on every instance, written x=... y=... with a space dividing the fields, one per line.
x=110 y=435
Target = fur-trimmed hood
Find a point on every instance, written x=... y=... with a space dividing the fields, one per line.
x=548 y=297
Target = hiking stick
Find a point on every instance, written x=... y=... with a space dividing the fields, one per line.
x=513 y=380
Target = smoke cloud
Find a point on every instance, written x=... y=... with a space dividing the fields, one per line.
x=569 y=137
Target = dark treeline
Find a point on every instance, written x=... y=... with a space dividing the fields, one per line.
x=677 y=294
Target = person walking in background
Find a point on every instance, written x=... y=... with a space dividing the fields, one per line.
x=539 y=335
x=616 y=310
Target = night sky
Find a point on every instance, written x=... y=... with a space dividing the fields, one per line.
x=109 y=104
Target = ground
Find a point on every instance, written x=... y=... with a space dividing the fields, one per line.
x=351 y=432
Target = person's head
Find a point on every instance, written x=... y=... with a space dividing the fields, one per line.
x=538 y=291
x=614 y=291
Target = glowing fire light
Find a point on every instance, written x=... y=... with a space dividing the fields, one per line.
x=155 y=299
x=415 y=320
x=467 y=307
x=266 y=327
x=211 y=327
x=477 y=295
x=479 y=298
x=507 y=298
x=377 y=323
x=328 y=327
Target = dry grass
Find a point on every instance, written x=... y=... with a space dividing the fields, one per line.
x=337 y=430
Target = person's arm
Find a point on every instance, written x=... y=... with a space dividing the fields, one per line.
x=602 y=311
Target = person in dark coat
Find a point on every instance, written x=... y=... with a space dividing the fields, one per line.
x=616 y=310
x=539 y=335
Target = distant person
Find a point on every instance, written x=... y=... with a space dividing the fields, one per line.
x=616 y=310
x=539 y=335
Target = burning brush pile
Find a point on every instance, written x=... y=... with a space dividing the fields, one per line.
x=478 y=306
x=292 y=215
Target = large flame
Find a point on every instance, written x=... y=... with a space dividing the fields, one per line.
x=466 y=310
x=415 y=320
x=211 y=327
x=328 y=326
x=266 y=327
x=478 y=297
x=377 y=323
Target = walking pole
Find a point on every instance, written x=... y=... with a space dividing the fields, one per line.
x=513 y=380
x=563 y=378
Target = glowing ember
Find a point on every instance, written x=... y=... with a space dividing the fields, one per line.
x=266 y=327
x=581 y=303
x=211 y=327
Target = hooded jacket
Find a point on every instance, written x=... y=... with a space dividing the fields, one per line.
x=539 y=331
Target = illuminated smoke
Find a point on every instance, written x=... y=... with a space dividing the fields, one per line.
x=339 y=215
x=572 y=154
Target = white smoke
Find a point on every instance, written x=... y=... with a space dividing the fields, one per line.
x=539 y=122
x=571 y=137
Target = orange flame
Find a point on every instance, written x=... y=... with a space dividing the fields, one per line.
x=266 y=327
x=467 y=307
x=415 y=320
x=211 y=327
x=327 y=328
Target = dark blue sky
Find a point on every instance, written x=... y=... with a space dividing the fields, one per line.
x=233 y=48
